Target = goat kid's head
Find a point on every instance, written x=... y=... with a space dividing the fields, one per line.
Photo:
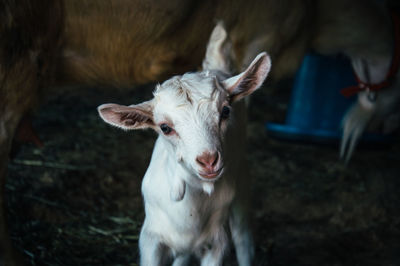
x=192 y=112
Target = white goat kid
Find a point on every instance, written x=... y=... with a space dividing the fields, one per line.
x=194 y=186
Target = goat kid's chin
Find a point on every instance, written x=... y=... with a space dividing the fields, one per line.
x=210 y=176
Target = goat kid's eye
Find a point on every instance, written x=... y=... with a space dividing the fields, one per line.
x=225 y=112
x=166 y=129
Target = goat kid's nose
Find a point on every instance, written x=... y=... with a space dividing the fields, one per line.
x=208 y=160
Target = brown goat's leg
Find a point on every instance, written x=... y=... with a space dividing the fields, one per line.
x=8 y=256
x=18 y=93
x=30 y=47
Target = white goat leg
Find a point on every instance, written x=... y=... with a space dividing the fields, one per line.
x=182 y=260
x=215 y=254
x=152 y=252
x=211 y=258
x=370 y=71
x=355 y=122
x=241 y=236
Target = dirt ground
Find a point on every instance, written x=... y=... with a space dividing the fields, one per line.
x=77 y=200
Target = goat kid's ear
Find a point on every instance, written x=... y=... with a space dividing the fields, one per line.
x=138 y=116
x=250 y=80
x=219 y=50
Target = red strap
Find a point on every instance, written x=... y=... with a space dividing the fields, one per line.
x=350 y=91
x=362 y=86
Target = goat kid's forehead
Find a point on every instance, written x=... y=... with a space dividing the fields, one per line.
x=200 y=92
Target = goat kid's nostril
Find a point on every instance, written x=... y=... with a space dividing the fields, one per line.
x=208 y=160
x=216 y=156
x=199 y=161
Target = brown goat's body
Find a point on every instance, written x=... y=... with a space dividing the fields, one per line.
x=127 y=42
x=123 y=42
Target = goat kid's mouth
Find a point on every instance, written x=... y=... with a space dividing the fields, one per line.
x=211 y=175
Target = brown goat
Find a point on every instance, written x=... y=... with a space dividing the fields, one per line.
x=121 y=43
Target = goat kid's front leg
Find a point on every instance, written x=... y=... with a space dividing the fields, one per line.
x=214 y=254
x=241 y=236
x=212 y=258
x=182 y=260
x=152 y=251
